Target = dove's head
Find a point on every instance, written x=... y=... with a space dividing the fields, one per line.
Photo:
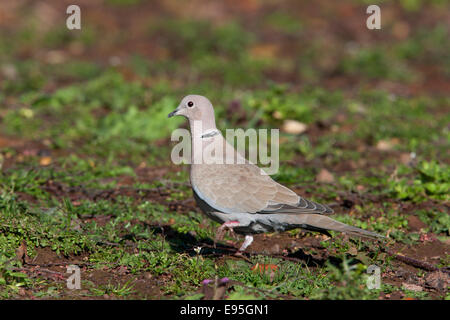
x=196 y=108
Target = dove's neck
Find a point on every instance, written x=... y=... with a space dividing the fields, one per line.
x=201 y=128
x=210 y=147
x=204 y=134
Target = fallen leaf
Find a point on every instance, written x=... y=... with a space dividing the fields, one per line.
x=412 y=287
x=353 y=251
x=21 y=252
x=261 y=267
x=56 y=56
x=264 y=51
x=293 y=127
x=324 y=176
x=405 y=157
x=386 y=145
x=9 y=71
x=45 y=161
x=437 y=280
x=277 y=115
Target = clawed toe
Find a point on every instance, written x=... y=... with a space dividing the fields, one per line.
x=232 y=233
x=241 y=254
x=219 y=236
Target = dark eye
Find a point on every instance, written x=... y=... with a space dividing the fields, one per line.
x=190 y=104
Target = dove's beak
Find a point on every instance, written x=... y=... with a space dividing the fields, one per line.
x=173 y=113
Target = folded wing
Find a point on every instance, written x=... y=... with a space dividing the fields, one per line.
x=245 y=188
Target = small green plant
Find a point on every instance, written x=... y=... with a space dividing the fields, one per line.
x=431 y=180
x=121 y=290
x=11 y=279
x=347 y=281
x=438 y=221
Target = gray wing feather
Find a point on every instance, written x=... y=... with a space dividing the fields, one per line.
x=304 y=206
x=242 y=188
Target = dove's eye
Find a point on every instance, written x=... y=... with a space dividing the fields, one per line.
x=190 y=104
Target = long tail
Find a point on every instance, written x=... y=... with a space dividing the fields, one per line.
x=318 y=222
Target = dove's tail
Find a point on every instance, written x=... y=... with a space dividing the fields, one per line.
x=318 y=222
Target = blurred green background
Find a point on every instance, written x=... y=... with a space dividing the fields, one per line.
x=113 y=81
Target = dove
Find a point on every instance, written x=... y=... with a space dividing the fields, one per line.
x=237 y=193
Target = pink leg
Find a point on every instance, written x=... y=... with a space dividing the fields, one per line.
x=248 y=241
x=221 y=230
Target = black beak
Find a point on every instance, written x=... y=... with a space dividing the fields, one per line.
x=170 y=115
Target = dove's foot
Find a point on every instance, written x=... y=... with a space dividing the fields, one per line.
x=221 y=230
x=240 y=253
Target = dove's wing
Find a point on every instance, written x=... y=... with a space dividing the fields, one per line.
x=232 y=188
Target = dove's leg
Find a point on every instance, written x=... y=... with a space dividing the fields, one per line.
x=248 y=241
x=221 y=230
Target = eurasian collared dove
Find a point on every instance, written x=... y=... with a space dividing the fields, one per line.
x=238 y=194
